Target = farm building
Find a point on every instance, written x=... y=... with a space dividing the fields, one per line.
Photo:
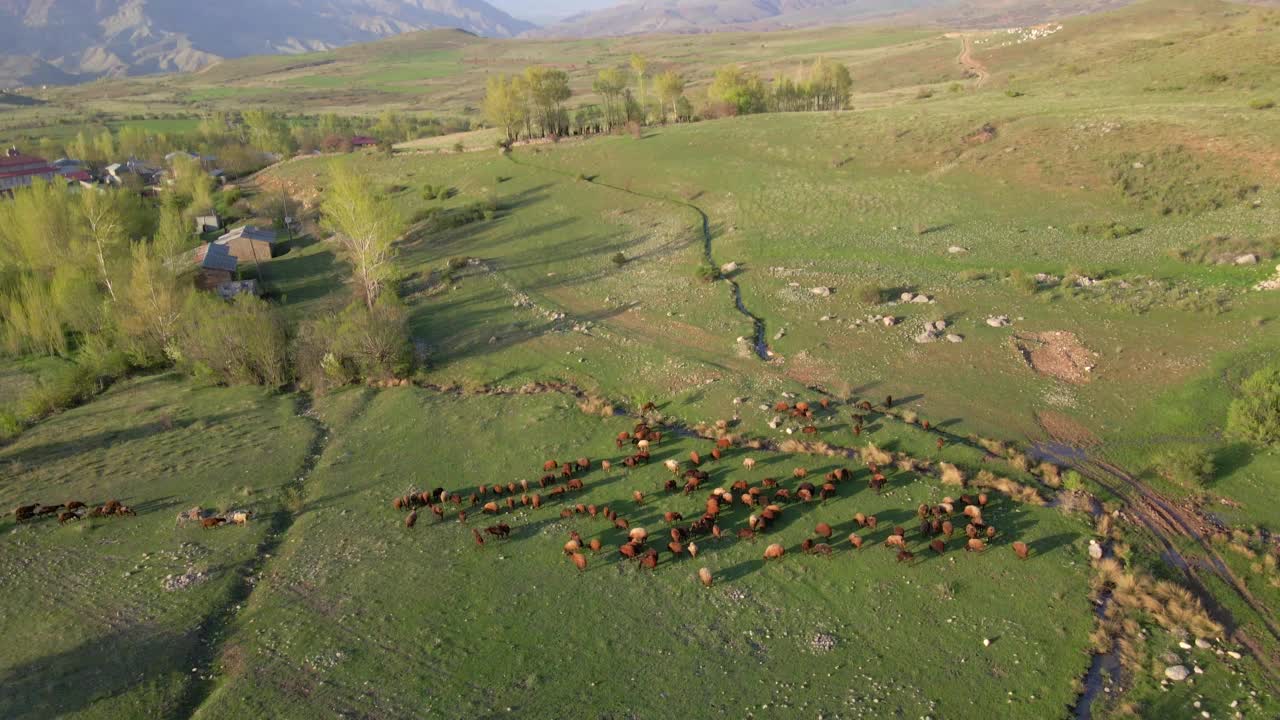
x=249 y=243
x=215 y=266
x=205 y=223
x=18 y=170
x=359 y=142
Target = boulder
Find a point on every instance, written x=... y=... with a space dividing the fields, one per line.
x=1177 y=673
x=889 y=320
x=1247 y=259
x=953 y=338
x=998 y=321
x=729 y=268
x=1095 y=550
x=957 y=250
x=921 y=298
x=822 y=291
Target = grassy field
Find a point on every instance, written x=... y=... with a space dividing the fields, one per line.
x=1107 y=157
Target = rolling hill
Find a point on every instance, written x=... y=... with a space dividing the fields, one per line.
x=58 y=41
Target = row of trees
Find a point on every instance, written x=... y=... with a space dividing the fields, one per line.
x=534 y=103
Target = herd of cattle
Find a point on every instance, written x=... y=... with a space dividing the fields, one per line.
x=73 y=510
x=762 y=504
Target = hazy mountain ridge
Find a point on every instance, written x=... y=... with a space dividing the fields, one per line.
x=54 y=41
x=688 y=16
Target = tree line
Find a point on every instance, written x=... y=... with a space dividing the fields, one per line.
x=104 y=279
x=535 y=102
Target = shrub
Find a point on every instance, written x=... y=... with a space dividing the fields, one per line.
x=1186 y=465
x=1014 y=93
x=357 y=344
x=431 y=192
x=459 y=147
x=64 y=389
x=924 y=94
x=973 y=275
x=10 y=425
x=620 y=259
x=870 y=293
x=1255 y=413
x=241 y=342
x=1024 y=282
x=1073 y=481
x=706 y=272
x=1262 y=104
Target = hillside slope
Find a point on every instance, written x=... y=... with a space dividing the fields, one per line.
x=119 y=37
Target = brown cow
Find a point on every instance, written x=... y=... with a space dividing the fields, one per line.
x=211 y=522
x=823 y=530
x=905 y=556
x=411 y=519
x=774 y=552
x=938 y=546
x=855 y=540
x=705 y=576
x=580 y=561
x=1021 y=549
x=975 y=545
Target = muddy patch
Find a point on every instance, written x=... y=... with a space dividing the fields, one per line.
x=1062 y=428
x=1057 y=354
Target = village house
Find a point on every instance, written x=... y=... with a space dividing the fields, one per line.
x=215 y=266
x=208 y=223
x=360 y=142
x=18 y=170
x=249 y=244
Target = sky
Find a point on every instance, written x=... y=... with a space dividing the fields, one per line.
x=544 y=11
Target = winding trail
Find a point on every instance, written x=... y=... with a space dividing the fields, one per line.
x=966 y=60
x=213 y=631
x=759 y=342
x=1166 y=523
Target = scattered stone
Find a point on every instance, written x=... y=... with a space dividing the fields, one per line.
x=1233 y=654
x=1177 y=673
x=823 y=642
x=822 y=291
x=921 y=299
x=729 y=268
x=986 y=642
x=998 y=321
x=782 y=332
x=1247 y=259
x=889 y=320
x=824 y=318
x=953 y=338
x=1095 y=550
x=1203 y=644
x=181 y=582
x=956 y=250
x=1184 y=645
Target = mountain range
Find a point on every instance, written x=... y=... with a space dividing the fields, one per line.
x=61 y=41
x=688 y=16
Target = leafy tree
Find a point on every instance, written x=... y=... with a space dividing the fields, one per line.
x=366 y=227
x=506 y=105
x=547 y=90
x=1186 y=464
x=1254 y=415
x=151 y=309
x=670 y=86
x=640 y=67
x=610 y=84
x=104 y=232
x=742 y=92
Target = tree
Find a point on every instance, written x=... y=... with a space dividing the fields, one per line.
x=640 y=67
x=547 y=90
x=740 y=91
x=610 y=83
x=1255 y=413
x=104 y=231
x=828 y=85
x=269 y=132
x=670 y=86
x=505 y=105
x=366 y=227
x=151 y=309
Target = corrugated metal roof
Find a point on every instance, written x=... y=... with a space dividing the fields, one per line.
x=216 y=257
x=249 y=231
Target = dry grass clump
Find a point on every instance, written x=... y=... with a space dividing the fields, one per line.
x=906 y=463
x=1172 y=606
x=873 y=454
x=792 y=445
x=1019 y=462
x=1015 y=490
x=594 y=405
x=951 y=475
x=1050 y=474
x=995 y=447
x=909 y=417
x=1076 y=501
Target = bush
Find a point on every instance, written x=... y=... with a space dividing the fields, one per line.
x=1014 y=93
x=431 y=192
x=10 y=425
x=241 y=342
x=356 y=344
x=1072 y=480
x=1186 y=465
x=459 y=147
x=924 y=94
x=1255 y=414
x=870 y=293
x=64 y=389
x=620 y=259
x=1024 y=282
x=706 y=272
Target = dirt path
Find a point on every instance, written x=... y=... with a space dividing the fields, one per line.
x=1168 y=523
x=971 y=65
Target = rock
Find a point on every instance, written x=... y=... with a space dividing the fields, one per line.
x=938 y=325
x=1095 y=550
x=906 y=297
x=1247 y=259
x=1233 y=654
x=824 y=318
x=1138 y=166
x=953 y=338
x=1203 y=644
x=998 y=321
x=1184 y=645
x=782 y=332
x=926 y=337
x=821 y=291
x=729 y=267
x=1176 y=673
x=889 y=321
x=921 y=299
x=956 y=250
x=986 y=642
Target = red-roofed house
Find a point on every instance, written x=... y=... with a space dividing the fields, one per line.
x=363 y=141
x=18 y=170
